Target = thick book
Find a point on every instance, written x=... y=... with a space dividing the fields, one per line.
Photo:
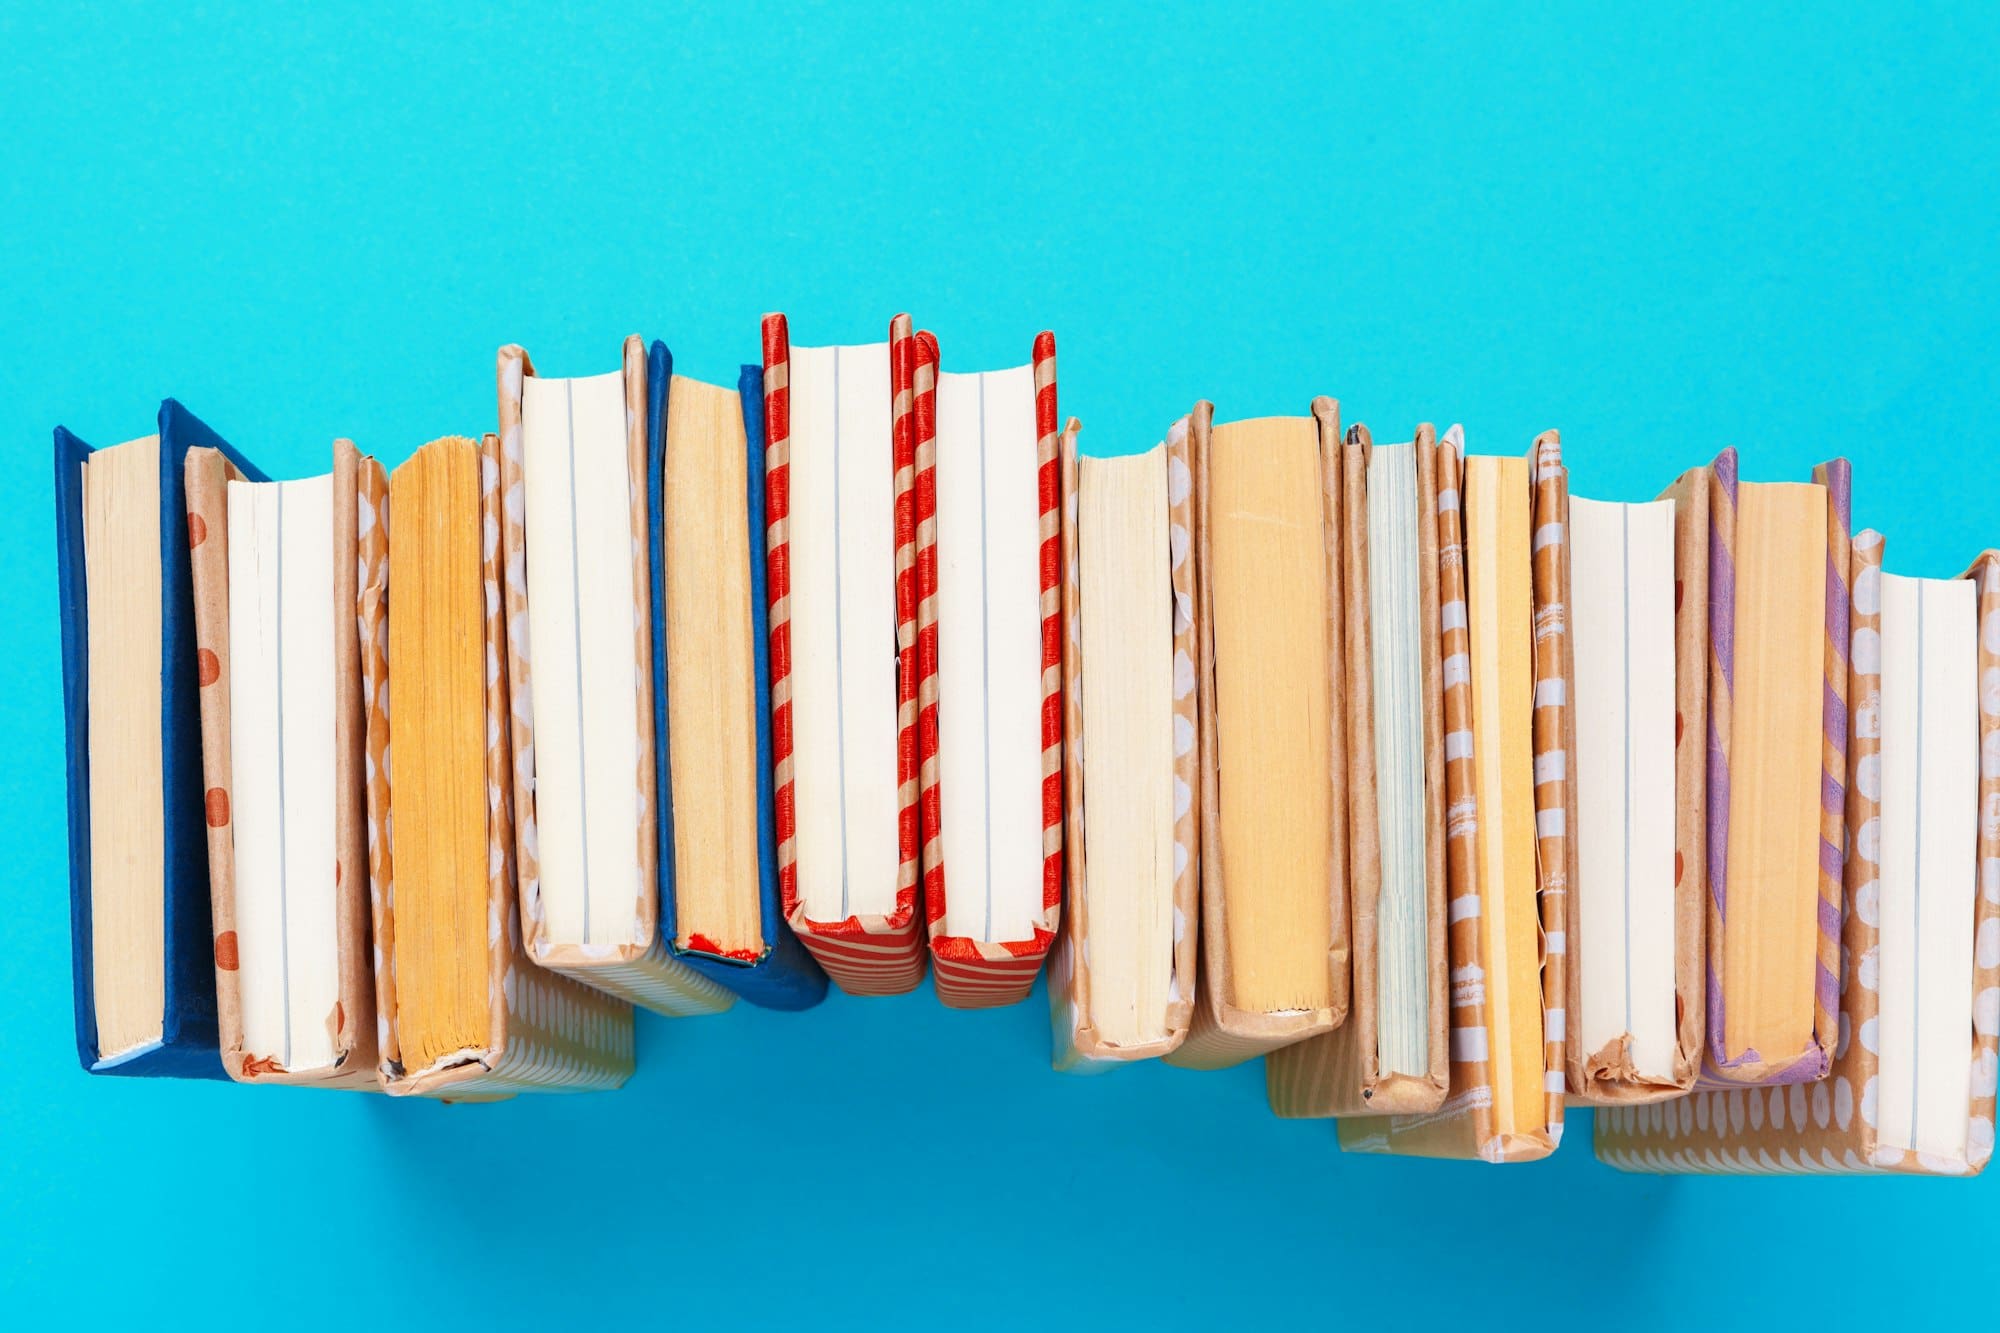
x=1911 y=1088
x=1390 y=1056
x=143 y=951
x=1507 y=713
x=1121 y=974
x=278 y=652
x=1637 y=1014
x=839 y=459
x=462 y=1010
x=1274 y=961
x=989 y=671
x=776 y=972
x=1777 y=772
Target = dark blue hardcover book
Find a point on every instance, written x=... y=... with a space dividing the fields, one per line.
x=785 y=977
x=186 y=1046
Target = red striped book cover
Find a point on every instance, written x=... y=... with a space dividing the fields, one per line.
x=975 y=973
x=865 y=954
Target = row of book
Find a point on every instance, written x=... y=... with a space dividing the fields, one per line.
x=1457 y=799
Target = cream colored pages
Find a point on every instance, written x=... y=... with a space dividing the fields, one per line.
x=989 y=653
x=1128 y=742
x=1929 y=778
x=1622 y=629
x=1771 y=943
x=843 y=550
x=1395 y=612
x=281 y=763
x=578 y=516
x=711 y=697
x=1499 y=609
x=121 y=560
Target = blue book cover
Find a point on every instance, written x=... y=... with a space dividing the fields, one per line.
x=187 y=1044
x=785 y=977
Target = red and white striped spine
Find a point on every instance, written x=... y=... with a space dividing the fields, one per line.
x=971 y=973
x=924 y=414
x=865 y=955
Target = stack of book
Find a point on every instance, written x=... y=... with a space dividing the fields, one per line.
x=1456 y=799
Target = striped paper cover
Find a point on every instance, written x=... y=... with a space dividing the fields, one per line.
x=1831 y=1125
x=1220 y=1034
x=1463 y=1126
x=1750 y=1067
x=1339 y=1074
x=549 y=1034
x=864 y=954
x=644 y=970
x=972 y=973
x=1078 y=1047
x=209 y=473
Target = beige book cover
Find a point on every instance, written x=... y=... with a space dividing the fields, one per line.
x=351 y=1025
x=548 y=1033
x=1080 y=1046
x=641 y=969
x=1339 y=1073
x=1222 y=1034
x=1832 y=1125
x=1607 y=1077
x=1465 y=1125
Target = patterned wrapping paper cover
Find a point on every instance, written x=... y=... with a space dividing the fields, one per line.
x=1719 y=1068
x=1079 y=1048
x=1338 y=1074
x=352 y=1022
x=972 y=973
x=864 y=954
x=1221 y=1034
x=785 y=975
x=1463 y=1127
x=1831 y=1125
x=1606 y=1077
x=548 y=1033
x=643 y=971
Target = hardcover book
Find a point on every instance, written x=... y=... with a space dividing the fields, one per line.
x=1640 y=625
x=989 y=672
x=462 y=1010
x=840 y=458
x=1274 y=959
x=1777 y=772
x=278 y=656
x=143 y=952
x=1121 y=975
x=1912 y=1084
x=1390 y=1056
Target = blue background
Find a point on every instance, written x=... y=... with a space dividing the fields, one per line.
x=1661 y=234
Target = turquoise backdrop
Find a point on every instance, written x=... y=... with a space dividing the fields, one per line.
x=1662 y=231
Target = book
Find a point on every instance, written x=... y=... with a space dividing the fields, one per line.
x=989 y=672
x=1390 y=1056
x=143 y=952
x=462 y=1010
x=1273 y=963
x=1641 y=650
x=1121 y=974
x=1911 y=1088
x=840 y=457
x=1508 y=712
x=577 y=587
x=278 y=658
x=1777 y=771
x=712 y=670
